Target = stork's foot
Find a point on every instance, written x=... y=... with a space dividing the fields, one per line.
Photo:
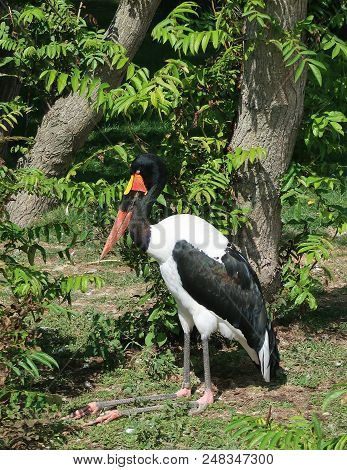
x=90 y=409
x=207 y=398
x=184 y=393
x=202 y=403
x=107 y=418
x=115 y=414
x=97 y=406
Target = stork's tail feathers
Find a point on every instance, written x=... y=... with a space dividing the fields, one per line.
x=268 y=355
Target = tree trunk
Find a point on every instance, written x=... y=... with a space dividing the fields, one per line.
x=66 y=126
x=269 y=116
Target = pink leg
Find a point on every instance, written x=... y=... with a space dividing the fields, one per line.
x=203 y=402
x=115 y=414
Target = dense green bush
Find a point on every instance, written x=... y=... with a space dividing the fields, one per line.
x=27 y=290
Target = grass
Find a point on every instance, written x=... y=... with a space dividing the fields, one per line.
x=314 y=362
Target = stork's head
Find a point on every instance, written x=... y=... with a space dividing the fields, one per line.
x=148 y=177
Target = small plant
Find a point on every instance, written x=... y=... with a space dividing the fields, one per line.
x=104 y=339
x=164 y=428
x=309 y=211
x=339 y=393
x=158 y=365
x=20 y=356
x=299 y=433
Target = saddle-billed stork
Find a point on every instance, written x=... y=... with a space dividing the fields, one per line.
x=214 y=286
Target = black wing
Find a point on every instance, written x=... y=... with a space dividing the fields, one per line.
x=230 y=289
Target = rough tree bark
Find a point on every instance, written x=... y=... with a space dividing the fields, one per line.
x=269 y=116
x=66 y=126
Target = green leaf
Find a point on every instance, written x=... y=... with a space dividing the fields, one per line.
x=130 y=71
x=336 y=51
x=154 y=99
x=317 y=63
x=161 y=200
x=205 y=40
x=101 y=99
x=292 y=61
x=149 y=338
x=31 y=255
x=121 y=62
x=316 y=73
x=51 y=78
x=31 y=366
x=337 y=127
x=84 y=85
x=334 y=396
x=300 y=298
x=29 y=13
x=161 y=338
x=299 y=70
x=75 y=80
x=33 y=372
x=44 y=358
x=61 y=82
x=215 y=39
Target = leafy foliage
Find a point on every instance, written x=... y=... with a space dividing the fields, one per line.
x=9 y=113
x=176 y=30
x=157 y=364
x=52 y=42
x=51 y=49
x=18 y=355
x=29 y=290
x=300 y=433
x=104 y=339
